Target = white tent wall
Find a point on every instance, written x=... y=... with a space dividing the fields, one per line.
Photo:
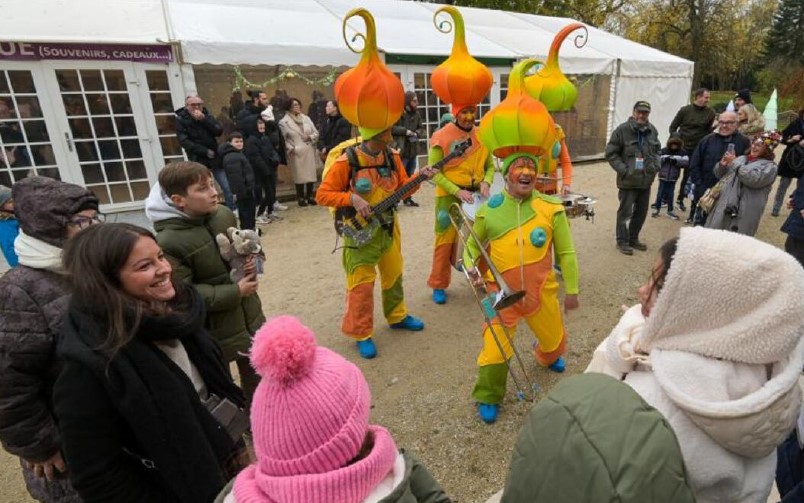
x=83 y=21
x=665 y=95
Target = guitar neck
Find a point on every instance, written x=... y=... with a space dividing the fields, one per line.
x=414 y=182
x=394 y=198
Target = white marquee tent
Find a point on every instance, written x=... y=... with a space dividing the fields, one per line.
x=309 y=32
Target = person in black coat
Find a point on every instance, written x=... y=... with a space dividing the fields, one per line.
x=247 y=117
x=791 y=164
x=197 y=131
x=334 y=130
x=709 y=152
x=138 y=367
x=241 y=179
x=264 y=160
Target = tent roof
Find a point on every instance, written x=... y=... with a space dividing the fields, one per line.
x=309 y=32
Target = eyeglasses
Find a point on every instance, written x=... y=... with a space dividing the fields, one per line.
x=727 y=123
x=83 y=222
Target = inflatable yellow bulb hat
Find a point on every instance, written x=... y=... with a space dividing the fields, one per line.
x=520 y=124
x=369 y=95
x=549 y=84
x=461 y=80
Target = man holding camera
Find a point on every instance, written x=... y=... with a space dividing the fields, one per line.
x=707 y=154
x=633 y=152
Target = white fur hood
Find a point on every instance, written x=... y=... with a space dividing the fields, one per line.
x=724 y=339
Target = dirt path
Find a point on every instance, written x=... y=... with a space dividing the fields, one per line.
x=421 y=382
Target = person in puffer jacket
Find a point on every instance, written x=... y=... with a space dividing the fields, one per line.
x=673 y=159
x=595 y=440
x=725 y=378
x=33 y=300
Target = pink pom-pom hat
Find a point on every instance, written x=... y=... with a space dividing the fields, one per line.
x=310 y=411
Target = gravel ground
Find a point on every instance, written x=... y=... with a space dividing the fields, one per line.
x=421 y=382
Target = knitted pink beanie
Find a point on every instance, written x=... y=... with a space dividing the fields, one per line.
x=310 y=411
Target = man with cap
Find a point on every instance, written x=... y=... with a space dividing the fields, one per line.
x=523 y=229
x=633 y=152
x=463 y=82
x=359 y=179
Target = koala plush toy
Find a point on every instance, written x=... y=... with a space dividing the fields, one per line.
x=236 y=246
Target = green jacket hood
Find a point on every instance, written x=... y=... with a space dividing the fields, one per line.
x=594 y=439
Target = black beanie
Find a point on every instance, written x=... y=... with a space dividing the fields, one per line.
x=745 y=94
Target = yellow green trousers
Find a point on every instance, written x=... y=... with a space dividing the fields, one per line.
x=384 y=254
x=547 y=326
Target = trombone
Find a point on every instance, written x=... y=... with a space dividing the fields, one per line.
x=490 y=303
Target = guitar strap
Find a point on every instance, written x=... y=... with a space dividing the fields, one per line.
x=384 y=170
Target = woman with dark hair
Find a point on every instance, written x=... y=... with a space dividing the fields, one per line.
x=745 y=183
x=791 y=164
x=140 y=377
x=725 y=378
x=33 y=299
x=300 y=140
x=334 y=130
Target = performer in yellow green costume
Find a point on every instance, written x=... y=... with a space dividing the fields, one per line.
x=463 y=82
x=521 y=227
x=370 y=96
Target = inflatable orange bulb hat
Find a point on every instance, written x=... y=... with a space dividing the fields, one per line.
x=520 y=124
x=369 y=95
x=461 y=80
x=549 y=84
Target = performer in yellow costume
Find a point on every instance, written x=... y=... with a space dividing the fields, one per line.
x=370 y=96
x=521 y=227
x=463 y=82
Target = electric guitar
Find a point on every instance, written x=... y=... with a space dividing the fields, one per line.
x=349 y=224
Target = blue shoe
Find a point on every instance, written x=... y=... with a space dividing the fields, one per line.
x=558 y=365
x=367 y=348
x=409 y=323
x=488 y=412
x=439 y=296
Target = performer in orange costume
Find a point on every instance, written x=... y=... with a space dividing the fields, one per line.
x=370 y=96
x=462 y=81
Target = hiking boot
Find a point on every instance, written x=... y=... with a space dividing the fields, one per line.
x=439 y=296
x=673 y=216
x=409 y=323
x=639 y=245
x=367 y=348
x=488 y=412
x=625 y=249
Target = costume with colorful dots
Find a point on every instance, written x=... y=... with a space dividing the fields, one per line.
x=521 y=234
x=465 y=172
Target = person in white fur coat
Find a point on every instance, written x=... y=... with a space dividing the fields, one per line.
x=716 y=346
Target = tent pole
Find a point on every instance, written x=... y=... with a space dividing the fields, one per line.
x=615 y=80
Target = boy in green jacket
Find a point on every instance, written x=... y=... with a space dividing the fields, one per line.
x=184 y=210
